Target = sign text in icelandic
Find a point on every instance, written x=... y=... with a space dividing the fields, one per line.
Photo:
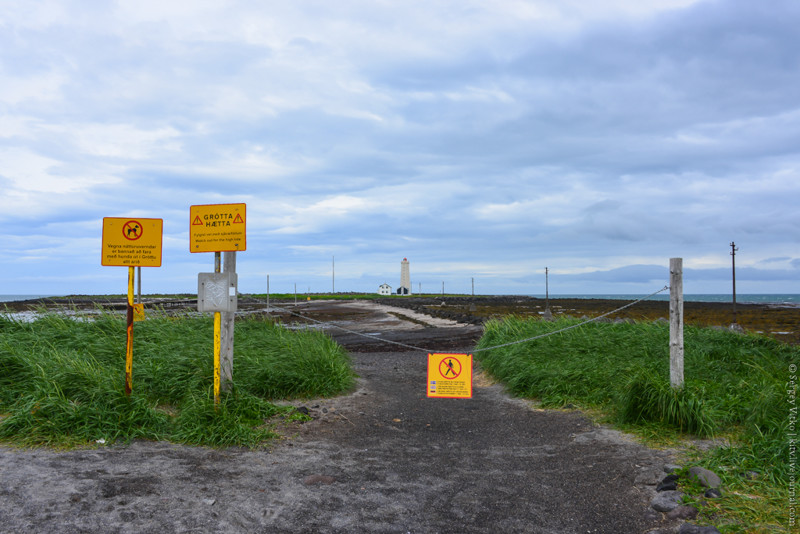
x=217 y=228
x=132 y=242
x=450 y=375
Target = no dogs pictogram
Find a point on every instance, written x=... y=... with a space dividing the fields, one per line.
x=132 y=230
x=450 y=368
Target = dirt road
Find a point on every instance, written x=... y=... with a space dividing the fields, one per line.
x=383 y=459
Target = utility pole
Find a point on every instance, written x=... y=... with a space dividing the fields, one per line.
x=546 y=288
x=473 y=286
x=333 y=275
x=547 y=315
x=734 y=248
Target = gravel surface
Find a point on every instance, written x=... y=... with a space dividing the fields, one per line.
x=383 y=459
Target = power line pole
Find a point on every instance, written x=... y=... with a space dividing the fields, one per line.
x=734 y=248
x=333 y=275
x=547 y=315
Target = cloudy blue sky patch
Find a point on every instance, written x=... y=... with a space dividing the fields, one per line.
x=483 y=141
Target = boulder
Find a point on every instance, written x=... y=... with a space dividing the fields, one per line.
x=682 y=512
x=706 y=478
x=666 y=501
x=669 y=483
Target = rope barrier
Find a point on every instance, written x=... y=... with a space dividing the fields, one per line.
x=517 y=342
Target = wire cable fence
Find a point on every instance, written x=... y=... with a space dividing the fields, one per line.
x=416 y=348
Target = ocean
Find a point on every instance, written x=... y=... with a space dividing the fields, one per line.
x=777 y=299
x=11 y=298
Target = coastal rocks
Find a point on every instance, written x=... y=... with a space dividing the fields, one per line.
x=668 y=499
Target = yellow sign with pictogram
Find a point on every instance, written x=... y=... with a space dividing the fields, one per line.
x=450 y=376
x=132 y=242
x=138 y=312
x=218 y=228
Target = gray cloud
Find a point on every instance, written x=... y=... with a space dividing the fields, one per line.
x=597 y=139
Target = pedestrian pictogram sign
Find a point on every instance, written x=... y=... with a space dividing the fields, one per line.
x=450 y=375
x=129 y=242
x=218 y=228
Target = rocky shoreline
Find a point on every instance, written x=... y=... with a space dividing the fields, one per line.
x=779 y=322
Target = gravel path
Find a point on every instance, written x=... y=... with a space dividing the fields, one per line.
x=383 y=459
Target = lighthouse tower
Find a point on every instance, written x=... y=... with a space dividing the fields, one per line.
x=405 y=278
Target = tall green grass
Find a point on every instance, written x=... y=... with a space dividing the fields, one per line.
x=62 y=380
x=734 y=384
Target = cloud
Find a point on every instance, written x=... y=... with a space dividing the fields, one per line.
x=479 y=140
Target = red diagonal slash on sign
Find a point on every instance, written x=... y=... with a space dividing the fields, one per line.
x=450 y=368
x=132 y=230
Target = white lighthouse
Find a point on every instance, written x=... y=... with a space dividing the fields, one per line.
x=405 y=278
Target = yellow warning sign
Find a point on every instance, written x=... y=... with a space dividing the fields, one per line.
x=217 y=228
x=138 y=312
x=132 y=242
x=450 y=375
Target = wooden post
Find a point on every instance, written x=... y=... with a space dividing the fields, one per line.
x=226 y=335
x=734 y=248
x=676 y=322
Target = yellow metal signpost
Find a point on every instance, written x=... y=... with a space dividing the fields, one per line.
x=131 y=242
x=449 y=375
x=218 y=228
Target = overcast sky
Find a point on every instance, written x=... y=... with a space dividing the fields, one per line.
x=482 y=140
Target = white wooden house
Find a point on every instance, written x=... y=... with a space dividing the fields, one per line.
x=385 y=289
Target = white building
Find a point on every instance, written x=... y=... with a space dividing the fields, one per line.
x=385 y=289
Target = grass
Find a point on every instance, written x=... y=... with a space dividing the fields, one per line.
x=736 y=387
x=62 y=380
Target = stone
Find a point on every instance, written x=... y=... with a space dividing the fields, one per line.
x=712 y=493
x=666 y=501
x=682 y=512
x=687 y=528
x=669 y=483
x=670 y=468
x=706 y=478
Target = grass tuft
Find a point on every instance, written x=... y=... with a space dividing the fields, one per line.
x=62 y=380
x=736 y=385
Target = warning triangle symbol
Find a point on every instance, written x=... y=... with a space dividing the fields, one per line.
x=197 y=221
x=238 y=219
